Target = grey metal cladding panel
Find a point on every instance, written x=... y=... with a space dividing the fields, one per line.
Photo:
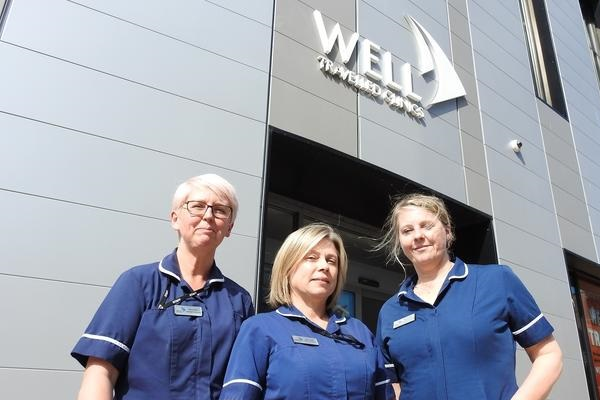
x=572 y=383
x=498 y=137
x=462 y=55
x=571 y=206
x=460 y=6
x=518 y=211
x=391 y=34
x=98 y=104
x=469 y=83
x=551 y=295
x=139 y=55
x=236 y=29
x=592 y=193
x=583 y=125
x=434 y=132
x=507 y=87
x=559 y=149
x=17 y=384
x=514 y=63
x=579 y=81
x=512 y=7
x=62 y=311
x=404 y=157
x=512 y=175
x=298 y=66
x=502 y=27
x=431 y=14
x=297 y=111
x=343 y=11
x=237 y=255
x=470 y=120
x=116 y=240
x=590 y=169
x=474 y=154
x=459 y=24
x=567 y=335
x=577 y=239
x=554 y=123
x=259 y=10
x=510 y=116
x=583 y=106
x=61 y=164
x=294 y=19
x=565 y=178
x=478 y=191
x=529 y=250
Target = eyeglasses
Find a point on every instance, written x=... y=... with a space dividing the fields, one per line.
x=198 y=208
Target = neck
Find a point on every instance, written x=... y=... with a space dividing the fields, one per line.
x=314 y=310
x=194 y=267
x=435 y=272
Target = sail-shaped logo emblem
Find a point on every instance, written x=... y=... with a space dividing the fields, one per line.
x=375 y=76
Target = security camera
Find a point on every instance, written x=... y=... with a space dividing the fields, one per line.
x=516 y=145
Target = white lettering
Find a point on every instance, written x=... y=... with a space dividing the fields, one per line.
x=327 y=42
x=369 y=56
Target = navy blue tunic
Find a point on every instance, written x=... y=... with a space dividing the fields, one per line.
x=462 y=346
x=281 y=355
x=159 y=354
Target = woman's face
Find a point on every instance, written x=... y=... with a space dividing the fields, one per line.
x=314 y=278
x=423 y=237
x=201 y=231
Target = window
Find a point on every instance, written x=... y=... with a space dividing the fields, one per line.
x=544 y=67
x=590 y=10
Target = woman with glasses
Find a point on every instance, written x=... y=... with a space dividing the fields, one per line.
x=451 y=331
x=165 y=330
x=305 y=349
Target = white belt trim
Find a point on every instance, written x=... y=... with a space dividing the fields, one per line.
x=382 y=382
x=247 y=381
x=523 y=329
x=106 y=339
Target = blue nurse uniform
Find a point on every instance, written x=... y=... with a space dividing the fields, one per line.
x=180 y=351
x=282 y=355
x=462 y=346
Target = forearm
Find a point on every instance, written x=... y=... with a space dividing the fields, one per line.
x=545 y=370
x=98 y=381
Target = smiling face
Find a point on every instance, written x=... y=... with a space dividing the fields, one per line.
x=201 y=232
x=314 y=277
x=423 y=237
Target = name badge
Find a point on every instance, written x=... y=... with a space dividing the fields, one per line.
x=311 y=341
x=189 y=311
x=403 y=321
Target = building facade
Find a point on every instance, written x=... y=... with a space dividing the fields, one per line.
x=314 y=110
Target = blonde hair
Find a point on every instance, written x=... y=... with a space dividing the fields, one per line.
x=292 y=251
x=212 y=182
x=391 y=238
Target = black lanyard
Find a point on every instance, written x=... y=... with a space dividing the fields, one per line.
x=338 y=337
x=164 y=304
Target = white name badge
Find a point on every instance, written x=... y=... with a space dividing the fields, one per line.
x=403 y=321
x=311 y=341
x=189 y=311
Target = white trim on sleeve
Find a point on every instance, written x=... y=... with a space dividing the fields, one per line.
x=246 y=381
x=382 y=382
x=106 y=339
x=523 y=329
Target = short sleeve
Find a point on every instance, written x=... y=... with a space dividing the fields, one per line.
x=381 y=344
x=247 y=368
x=111 y=333
x=527 y=323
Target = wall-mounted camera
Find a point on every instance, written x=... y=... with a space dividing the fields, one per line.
x=516 y=145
